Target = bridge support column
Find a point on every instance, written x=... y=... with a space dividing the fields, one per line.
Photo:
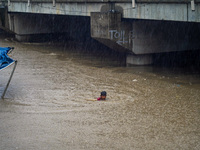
x=109 y=29
x=141 y=38
x=37 y=27
x=132 y=59
x=23 y=38
x=27 y=26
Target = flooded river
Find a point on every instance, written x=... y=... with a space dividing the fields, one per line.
x=46 y=107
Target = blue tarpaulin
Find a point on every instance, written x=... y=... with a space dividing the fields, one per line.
x=5 y=60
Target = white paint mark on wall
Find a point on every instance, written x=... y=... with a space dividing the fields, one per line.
x=121 y=36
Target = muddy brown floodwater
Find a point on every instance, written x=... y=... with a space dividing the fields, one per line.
x=45 y=107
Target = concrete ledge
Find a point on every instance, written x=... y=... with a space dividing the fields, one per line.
x=138 y=60
x=147 y=11
x=23 y=38
x=107 y=1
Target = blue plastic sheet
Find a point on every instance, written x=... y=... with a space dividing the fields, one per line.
x=5 y=60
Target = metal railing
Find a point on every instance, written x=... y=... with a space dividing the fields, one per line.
x=106 y=1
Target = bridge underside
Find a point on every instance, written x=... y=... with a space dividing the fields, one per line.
x=171 y=10
x=141 y=31
x=144 y=37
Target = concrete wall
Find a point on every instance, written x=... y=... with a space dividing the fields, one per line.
x=27 y=27
x=171 y=10
x=143 y=36
x=111 y=31
x=30 y=24
x=106 y=1
x=2 y=16
x=162 y=36
x=4 y=21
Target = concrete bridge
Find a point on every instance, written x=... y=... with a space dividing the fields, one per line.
x=137 y=27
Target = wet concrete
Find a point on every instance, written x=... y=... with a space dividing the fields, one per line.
x=45 y=107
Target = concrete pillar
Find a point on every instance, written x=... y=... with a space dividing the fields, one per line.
x=132 y=59
x=143 y=37
x=109 y=29
x=27 y=25
x=31 y=27
x=24 y=38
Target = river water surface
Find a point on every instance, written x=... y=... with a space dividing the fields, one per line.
x=46 y=107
